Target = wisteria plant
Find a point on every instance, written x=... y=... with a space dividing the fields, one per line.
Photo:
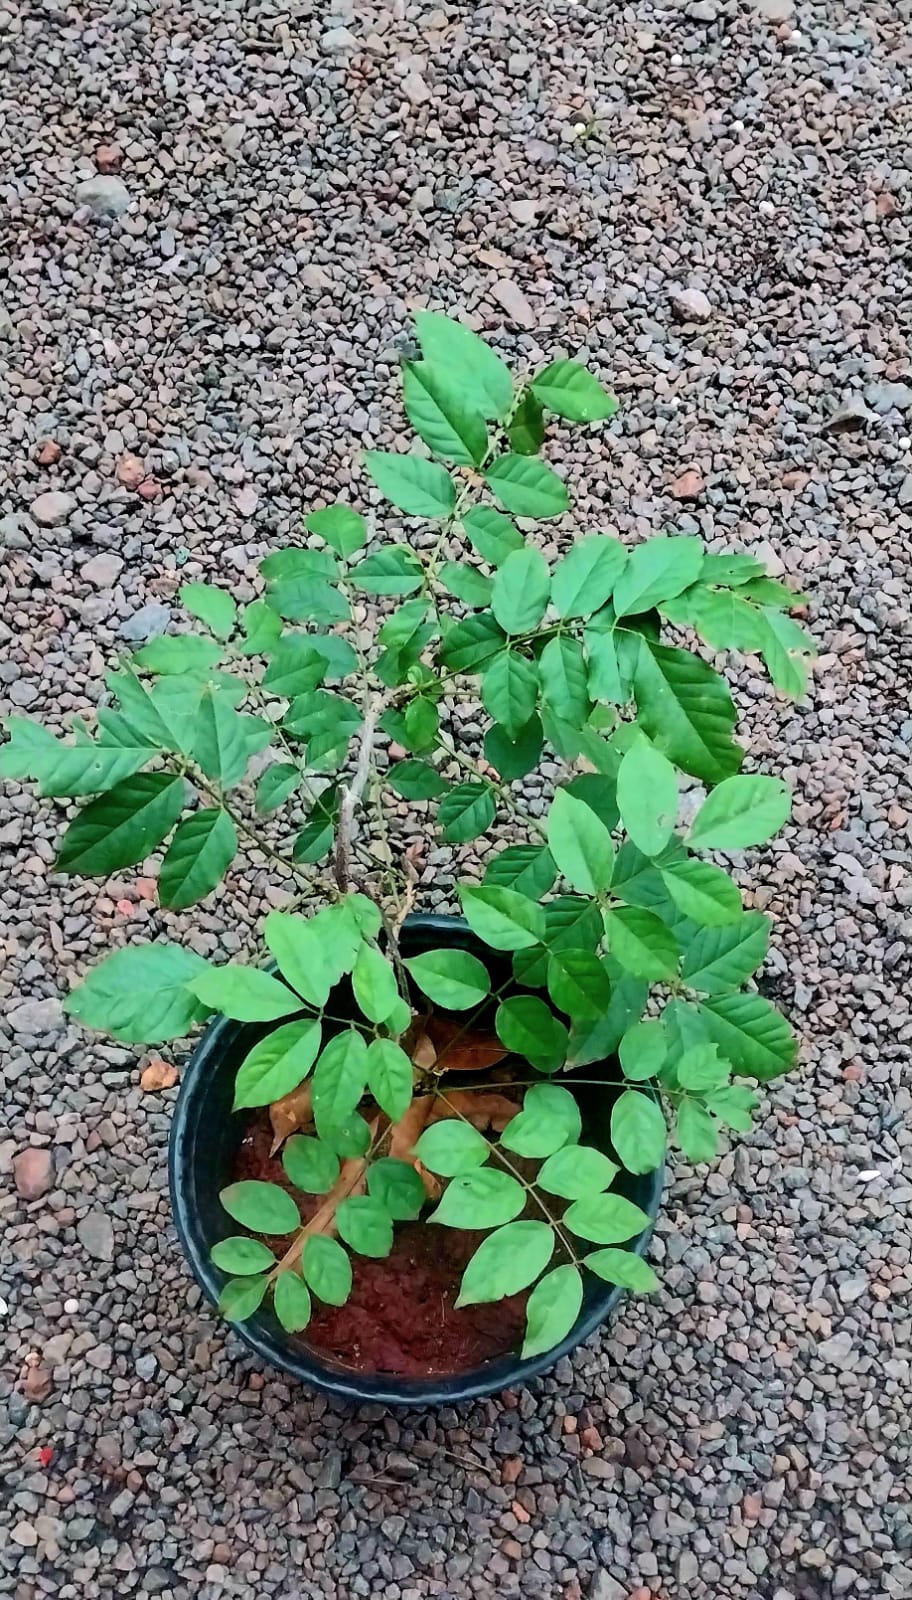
x=270 y=726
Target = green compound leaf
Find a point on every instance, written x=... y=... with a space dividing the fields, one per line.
x=638 y=1131
x=244 y=993
x=123 y=827
x=418 y=487
x=242 y=1256
x=389 y=1077
x=484 y=1198
x=452 y=1148
x=527 y=487
x=552 y=1310
x=584 y=580
x=519 y=593
x=437 y=410
x=141 y=994
x=197 y=858
x=453 y=979
x=528 y=1027
x=466 y=812
x=365 y=1225
x=327 y=1270
x=576 y=1171
x=623 y=1267
x=310 y=1164
x=277 y=1064
x=504 y=919
x=606 y=1219
x=549 y=1119
x=740 y=812
x=570 y=391
x=580 y=844
x=263 y=1207
x=506 y=1262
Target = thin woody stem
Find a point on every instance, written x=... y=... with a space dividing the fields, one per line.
x=351 y=796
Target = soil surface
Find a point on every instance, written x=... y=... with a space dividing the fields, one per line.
x=401 y=1317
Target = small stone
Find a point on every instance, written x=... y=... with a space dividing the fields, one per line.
x=95 y=1233
x=415 y=89
x=108 y=157
x=336 y=39
x=37 y=1385
x=104 y=195
x=510 y=296
x=889 y=397
x=48 y=453
x=33 y=1173
x=146 y=623
x=149 y=489
x=605 y=1587
x=52 y=508
x=836 y=1350
x=37 y=1016
x=233 y=137
x=102 y=570
x=775 y=10
x=795 y=481
x=24 y=1534
x=130 y=471
x=851 y=416
x=157 y=1075
x=523 y=211
x=687 y=486
x=691 y=305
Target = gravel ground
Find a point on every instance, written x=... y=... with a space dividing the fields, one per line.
x=219 y=219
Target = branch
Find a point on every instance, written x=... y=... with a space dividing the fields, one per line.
x=351 y=796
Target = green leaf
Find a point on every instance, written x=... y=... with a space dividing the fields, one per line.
x=576 y=1171
x=241 y=1296
x=325 y=720
x=552 y=1309
x=642 y=944
x=374 y=983
x=701 y=1068
x=365 y=1225
x=471 y=643
x=340 y=929
x=484 y=1198
x=214 y=607
x=338 y=654
x=276 y=785
x=122 y=827
x=291 y=1298
x=526 y=428
x=418 y=487
x=698 y=1134
x=605 y=1218
x=451 y=1148
x=734 y=1105
x=596 y=1038
x=623 y=1267
x=295 y=667
x=421 y=724
x=277 y=1064
x=394 y=569
x=578 y=982
x=243 y=993
x=262 y=1207
x=197 y=858
x=327 y=1269
x=718 y=960
x=638 y=1131
x=506 y=1262
x=342 y=528
x=219 y=745
x=686 y=710
x=315 y=839
x=416 y=780
x=513 y=758
x=339 y=1079
x=453 y=979
x=527 y=868
x=466 y=812
x=398 y=1188
x=525 y=486
x=751 y=1034
x=529 y=1028
x=493 y=535
x=509 y=691
x=606 y=682
x=308 y=598
x=242 y=1255
x=140 y=995
x=573 y=923
x=599 y=794
x=478 y=371
x=647 y=794
x=349 y=1137
x=437 y=411
x=584 y=581
x=562 y=670
x=579 y=843
x=742 y=811
x=298 y=948
x=642 y=1050
x=144 y=717
x=262 y=628
x=309 y=1163
x=703 y=893
x=178 y=653
x=389 y=1076
x=549 y=1119
x=570 y=391
x=295 y=562
x=469 y=585
x=67 y=769
x=656 y=571
x=731 y=569
x=520 y=590
x=504 y=919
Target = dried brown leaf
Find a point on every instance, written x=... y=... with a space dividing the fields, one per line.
x=293 y=1111
x=405 y=1135
x=461 y=1049
x=483 y=1108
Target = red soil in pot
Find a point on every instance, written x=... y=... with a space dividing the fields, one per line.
x=401 y=1317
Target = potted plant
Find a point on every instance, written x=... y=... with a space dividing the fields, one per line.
x=414 y=1154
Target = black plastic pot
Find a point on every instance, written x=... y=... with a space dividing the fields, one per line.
x=204 y=1140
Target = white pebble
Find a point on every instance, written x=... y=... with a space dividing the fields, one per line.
x=677 y=61
x=71 y=1307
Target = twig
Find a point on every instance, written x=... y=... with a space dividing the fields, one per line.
x=351 y=796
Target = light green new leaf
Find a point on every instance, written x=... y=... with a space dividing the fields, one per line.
x=493 y=535
x=519 y=593
x=397 y=1187
x=701 y=1068
x=525 y=486
x=584 y=581
x=504 y=919
x=656 y=571
x=342 y=528
x=751 y=1034
x=389 y=1076
x=686 y=710
x=483 y=1198
x=67 y=769
x=291 y=1298
x=528 y=1027
x=698 y=1134
x=552 y=1309
x=606 y=1218
x=418 y=487
x=467 y=811
x=242 y=1255
x=241 y=1296
x=213 y=606
x=310 y=1164
x=365 y=1225
x=374 y=983
x=580 y=844
x=647 y=796
x=298 y=946
x=506 y=1262
x=141 y=994
x=327 y=1269
x=452 y=348
x=122 y=827
x=277 y=1064
x=549 y=1119
x=718 y=960
x=575 y=1171
x=509 y=690
x=742 y=811
x=197 y=858
x=623 y=1267
x=638 y=1131
x=437 y=410
x=642 y=943
x=262 y=1207
x=734 y=1105
x=570 y=391
x=702 y=892
x=451 y=978
x=643 y=1050
x=451 y=1148
x=339 y=1078
x=262 y=628
x=246 y=994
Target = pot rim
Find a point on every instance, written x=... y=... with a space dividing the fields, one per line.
x=276 y=1348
